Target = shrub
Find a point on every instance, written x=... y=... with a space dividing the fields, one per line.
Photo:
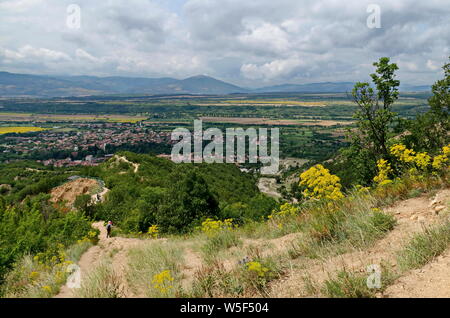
x=36 y=227
x=34 y=277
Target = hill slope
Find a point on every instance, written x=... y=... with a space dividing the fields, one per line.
x=300 y=279
x=13 y=85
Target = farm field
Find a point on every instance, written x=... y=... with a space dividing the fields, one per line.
x=29 y=117
x=274 y=122
x=265 y=102
x=18 y=130
x=312 y=126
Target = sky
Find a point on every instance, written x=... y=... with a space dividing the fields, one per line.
x=252 y=43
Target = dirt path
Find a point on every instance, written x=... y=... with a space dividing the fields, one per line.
x=101 y=196
x=412 y=216
x=430 y=281
x=269 y=187
x=192 y=263
x=124 y=159
x=114 y=247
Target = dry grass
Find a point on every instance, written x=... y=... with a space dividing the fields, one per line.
x=147 y=261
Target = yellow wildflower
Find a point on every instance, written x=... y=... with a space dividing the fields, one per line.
x=257 y=268
x=384 y=169
x=321 y=184
x=163 y=282
x=34 y=276
x=153 y=231
x=422 y=160
x=212 y=227
x=402 y=153
x=47 y=289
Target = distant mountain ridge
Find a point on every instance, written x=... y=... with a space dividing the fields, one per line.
x=14 y=85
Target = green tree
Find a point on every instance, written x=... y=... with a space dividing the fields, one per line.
x=374 y=120
x=82 y=203
x=189 y=201
x=375 y=116
x=430 y=130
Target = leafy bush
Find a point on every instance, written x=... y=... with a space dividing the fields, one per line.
x=188 y=202
x=36 y=227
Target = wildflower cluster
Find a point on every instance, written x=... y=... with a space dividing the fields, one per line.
x=384 y=169
x=402 y=153
x=280 y=214
x=91 y=237
x=153 y=231
x=321 y=184
x=257 y=268
x=211 y=227
x=286 y=209
x=362 y=190
x=421 y=160
x=54 y=263
x=34 y=276
x=440 y=160
x=163 y=282
x=52 y=257
x=47 y=289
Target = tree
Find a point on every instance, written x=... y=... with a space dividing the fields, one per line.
x=430 y=130
x=188 y=202
x=374 y=119
x=440 y=101
x=375 y=116
x=83 y=204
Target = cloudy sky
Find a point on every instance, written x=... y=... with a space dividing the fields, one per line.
x=247 y=42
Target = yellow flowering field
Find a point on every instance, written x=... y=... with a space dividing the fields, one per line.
x=19 y=130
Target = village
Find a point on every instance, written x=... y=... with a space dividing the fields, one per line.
x=86 y=144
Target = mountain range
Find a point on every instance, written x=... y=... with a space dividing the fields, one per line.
x=26 y=85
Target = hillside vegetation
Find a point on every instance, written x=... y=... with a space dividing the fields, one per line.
x=363 y=224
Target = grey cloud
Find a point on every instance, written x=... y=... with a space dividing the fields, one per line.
x=248 y=42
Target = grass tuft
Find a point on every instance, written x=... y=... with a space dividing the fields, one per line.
x=425 y=246
x=102 y=282
x=150 y=260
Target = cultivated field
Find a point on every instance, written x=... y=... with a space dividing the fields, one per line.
x=273 y=122
x=28 y=117
x=18 y=130
x=264 y=102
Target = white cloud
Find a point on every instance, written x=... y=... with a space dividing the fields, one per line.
x=18 y=5
x=432 y=65
x=271 y=70
x=29 y=52
x=82 y=54
x=251 y=42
